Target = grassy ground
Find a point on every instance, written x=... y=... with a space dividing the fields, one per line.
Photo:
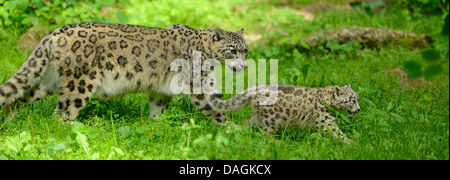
x=395 y=122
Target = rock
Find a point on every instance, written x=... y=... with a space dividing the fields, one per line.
x=368 y=37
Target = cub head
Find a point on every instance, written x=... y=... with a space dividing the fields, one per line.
x=230 y=47
x=346 y=98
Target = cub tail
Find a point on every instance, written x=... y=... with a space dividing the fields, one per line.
x=237 y=102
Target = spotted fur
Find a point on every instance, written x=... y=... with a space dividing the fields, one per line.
x=292 y=106
x=79 y=61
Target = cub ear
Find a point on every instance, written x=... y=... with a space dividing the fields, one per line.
x=218 y=34
x=337 y=92
x=241 y=32
x=347 y=85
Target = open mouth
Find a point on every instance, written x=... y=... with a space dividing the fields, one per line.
x=351 y=113
x=235 y=70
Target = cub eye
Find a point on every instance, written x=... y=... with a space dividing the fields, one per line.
x=245 y=51
x=233 y=51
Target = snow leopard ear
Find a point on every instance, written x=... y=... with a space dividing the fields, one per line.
x=241 y=32
x=338 y=91
x=347 y=85
x=218 y=35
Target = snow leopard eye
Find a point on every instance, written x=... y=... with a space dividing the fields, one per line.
x=233 y=51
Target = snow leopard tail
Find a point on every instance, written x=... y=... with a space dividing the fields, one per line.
x=28 y=75
x=239 y=101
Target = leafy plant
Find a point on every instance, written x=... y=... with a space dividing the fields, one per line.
x=445 y=28
x=432 y=67
x=369 y=7
x=24 y=13
x=52 y=149
x=18 y=146
x=197 y=14
x=290 y=26
x=431 y=57
x=423 y=6
x=335 y=47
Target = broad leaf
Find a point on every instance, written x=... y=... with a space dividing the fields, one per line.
x=433 y=70
x=431 y=55
x=82 y=141
x=125 y=130
x=414 y=69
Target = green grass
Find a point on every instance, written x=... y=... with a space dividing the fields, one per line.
x=395 y=122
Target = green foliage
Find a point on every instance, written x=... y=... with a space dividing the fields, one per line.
x=431 y=55
x=414 y=69
x=18 y=146
x=445 y=28
x=25 y=13
x=335 y=47
x=432 y=60
x=395 y=122
x=291 y=27
x=432 y=70
x=369 y=7
x=52 y=149
x=198 y=14
x=424 y=6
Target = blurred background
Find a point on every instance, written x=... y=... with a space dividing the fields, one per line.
x=273 y=28
x=273 y=19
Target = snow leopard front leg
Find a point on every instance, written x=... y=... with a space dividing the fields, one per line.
x=324 y=122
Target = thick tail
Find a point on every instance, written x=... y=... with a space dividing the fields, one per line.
x=237 y=102
x=27 y=76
